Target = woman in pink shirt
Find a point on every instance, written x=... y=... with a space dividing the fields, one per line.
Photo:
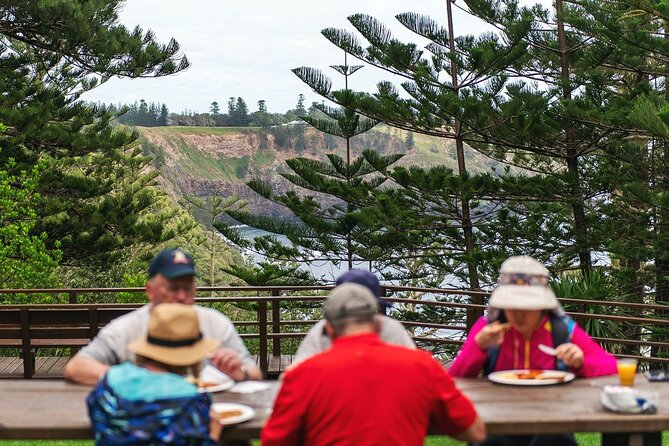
x=523 y=312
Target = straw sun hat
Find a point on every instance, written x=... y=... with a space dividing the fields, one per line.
x=174 y=336
x=523 y=285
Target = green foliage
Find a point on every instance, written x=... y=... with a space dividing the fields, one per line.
x=25 y=260
x=214 y=261
x=116 y=206
x=97 y=199
x=138 y=279
x=596 y=286
x=579 y=113
x=271 y=274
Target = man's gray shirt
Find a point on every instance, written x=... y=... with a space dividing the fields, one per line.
x=316 y=341
x=110 y=346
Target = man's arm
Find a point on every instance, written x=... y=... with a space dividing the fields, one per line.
x=474 y=433
x=232 y=357
x=393 y=332
x=453 y=413
x=286 y=423
x=93 y=361
x=228 y=361
x=313 y=343
x=84 y=370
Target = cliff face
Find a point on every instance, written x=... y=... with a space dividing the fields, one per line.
x=204 y=161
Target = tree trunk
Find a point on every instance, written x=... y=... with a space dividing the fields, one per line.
x=577 y=199
x=472 y=267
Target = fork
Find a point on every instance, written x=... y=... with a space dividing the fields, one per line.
x=548 y=350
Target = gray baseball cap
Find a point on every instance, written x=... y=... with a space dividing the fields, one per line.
x=350 y=300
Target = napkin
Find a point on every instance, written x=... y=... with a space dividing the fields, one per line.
x=628 y=400
x=248 y=387
x=212 y=374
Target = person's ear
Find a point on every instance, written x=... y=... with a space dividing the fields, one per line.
x=153 y=290
x=329 y=330
x=149 y=291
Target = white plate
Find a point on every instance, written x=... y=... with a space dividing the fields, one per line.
x=211 y=374
x=548 y=377
x=246 y=412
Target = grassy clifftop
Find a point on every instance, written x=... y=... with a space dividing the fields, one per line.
x=234 y=154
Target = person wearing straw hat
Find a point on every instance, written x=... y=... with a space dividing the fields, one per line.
x=523 y=312
x=171 y=280
x=151 y=402
x=365 y=391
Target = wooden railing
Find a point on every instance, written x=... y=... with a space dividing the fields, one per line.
x=270 y=319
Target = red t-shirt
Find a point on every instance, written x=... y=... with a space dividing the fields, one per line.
x=365 y=392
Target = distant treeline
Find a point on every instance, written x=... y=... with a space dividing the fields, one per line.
x=151 y=114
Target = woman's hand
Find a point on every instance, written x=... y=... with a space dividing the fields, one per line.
x=491 y=334
x=570 y=354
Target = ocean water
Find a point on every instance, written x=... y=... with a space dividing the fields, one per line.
x=327 y=272
x=323 y=270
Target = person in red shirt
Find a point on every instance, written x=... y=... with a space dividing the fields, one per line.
x=365 y=392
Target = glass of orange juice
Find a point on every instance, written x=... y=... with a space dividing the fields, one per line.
x=627 y=371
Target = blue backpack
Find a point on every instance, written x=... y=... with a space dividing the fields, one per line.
x=562 y=328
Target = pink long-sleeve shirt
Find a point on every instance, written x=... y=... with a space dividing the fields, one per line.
x=518 y=352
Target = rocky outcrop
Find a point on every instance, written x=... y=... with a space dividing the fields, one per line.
x=201 y=161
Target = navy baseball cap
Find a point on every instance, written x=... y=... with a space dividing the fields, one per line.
x=172 y=263
x=366 y=279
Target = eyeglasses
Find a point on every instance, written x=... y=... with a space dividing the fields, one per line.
x=175 y=288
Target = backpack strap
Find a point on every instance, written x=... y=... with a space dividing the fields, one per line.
x=490 y=360
x=562 y=329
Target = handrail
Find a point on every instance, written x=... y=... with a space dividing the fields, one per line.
x=271 y=327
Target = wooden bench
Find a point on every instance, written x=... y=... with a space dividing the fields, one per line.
x=29 y=327
x=52 y=367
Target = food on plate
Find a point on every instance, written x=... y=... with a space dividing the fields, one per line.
x=558 y=376
x=530 y=374
x=534 y=374
x=201 y=383
x=223 y=414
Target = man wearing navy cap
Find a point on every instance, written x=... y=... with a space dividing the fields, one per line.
x=171 y=280
x=391 y=331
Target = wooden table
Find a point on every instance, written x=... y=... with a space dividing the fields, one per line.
x=570 y=407
x=53 y=409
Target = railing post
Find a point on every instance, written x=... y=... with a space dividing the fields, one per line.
x=73 y=297
x=276 y=323
x=471 y=318
x=262 y=331
x=26 y=350
x=93 y=322
x=580 y=320
x=383 y=291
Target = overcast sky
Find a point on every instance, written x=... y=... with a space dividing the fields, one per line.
x=248 y=47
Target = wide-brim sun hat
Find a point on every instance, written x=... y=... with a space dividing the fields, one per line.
x=523 y=285
x=174 y=336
